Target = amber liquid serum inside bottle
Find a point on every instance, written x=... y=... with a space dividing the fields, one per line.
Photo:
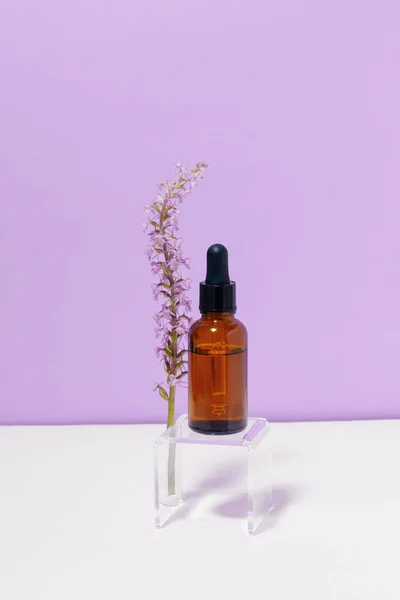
x=217 y=354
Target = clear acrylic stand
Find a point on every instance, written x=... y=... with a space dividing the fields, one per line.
x=213 y=475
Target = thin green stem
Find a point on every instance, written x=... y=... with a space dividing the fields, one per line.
x=171 y=405
x=173 y=363
x=172 y=445
x=174 y=344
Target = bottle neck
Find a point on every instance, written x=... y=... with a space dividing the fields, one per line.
x=217 y=316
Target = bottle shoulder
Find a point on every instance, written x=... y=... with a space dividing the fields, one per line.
x=208 y=323
x=240 y=325
x=213 y=328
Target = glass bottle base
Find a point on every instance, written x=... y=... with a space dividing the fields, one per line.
x=217 y=426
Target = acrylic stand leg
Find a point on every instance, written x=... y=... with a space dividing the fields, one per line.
x=167 y=480
x=259 y=491
x=228 y=476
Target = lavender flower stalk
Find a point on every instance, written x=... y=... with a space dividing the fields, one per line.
x=167 y=262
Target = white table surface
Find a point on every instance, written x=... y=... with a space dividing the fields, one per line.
x=76 y=519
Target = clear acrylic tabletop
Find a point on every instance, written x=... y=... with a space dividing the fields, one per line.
x=213 y=473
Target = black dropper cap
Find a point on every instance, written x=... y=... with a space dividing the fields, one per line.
x=217 y=292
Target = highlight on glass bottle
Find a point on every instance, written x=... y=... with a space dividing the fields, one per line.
x=217 y=354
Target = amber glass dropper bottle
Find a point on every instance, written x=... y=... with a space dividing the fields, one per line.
x=217 y=354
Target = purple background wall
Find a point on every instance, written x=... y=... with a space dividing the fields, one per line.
x=295 y=105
